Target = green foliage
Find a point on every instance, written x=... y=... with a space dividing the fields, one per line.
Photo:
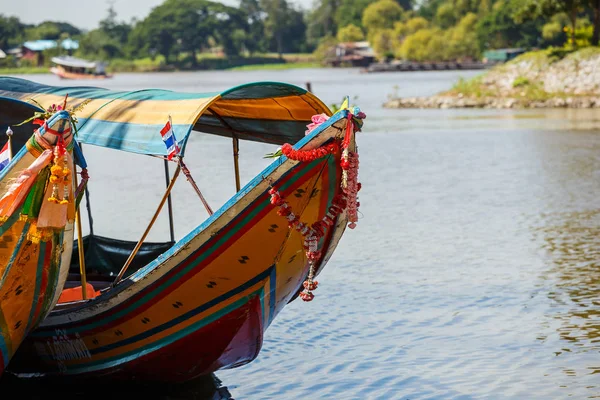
x=350 y=33
x=51 y=30
x=382 y=14
x=12 y=32
x=520 y=81
x=383 y=42
x=446 y=15
x=412 y=25
x=350 y=12
x=324 y=49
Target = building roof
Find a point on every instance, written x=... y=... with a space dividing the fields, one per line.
x=41 y=45
x=2 y=54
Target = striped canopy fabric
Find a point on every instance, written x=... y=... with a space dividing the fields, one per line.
x=268 y=112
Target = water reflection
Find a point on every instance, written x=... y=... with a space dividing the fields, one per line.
x=571 y=244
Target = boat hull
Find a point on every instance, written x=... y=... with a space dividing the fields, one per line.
x=205 y=304
x=63 y=74
x=32 y=273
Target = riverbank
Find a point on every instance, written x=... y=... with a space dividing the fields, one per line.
x=203 y=63
x=552 y=78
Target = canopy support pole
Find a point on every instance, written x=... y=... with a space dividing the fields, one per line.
x=169 y=202
x=236 y=165
x=188 y=175
x=87 y=201
x=156 y=213
x=236 y=148
x=80 y=245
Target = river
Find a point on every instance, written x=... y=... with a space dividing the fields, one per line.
x=473 y=273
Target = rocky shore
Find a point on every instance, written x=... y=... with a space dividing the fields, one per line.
x=445 y=101
x=540 y=79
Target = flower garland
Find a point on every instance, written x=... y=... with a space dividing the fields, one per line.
x=60 y=174
x=309 y=155
x=311 y=233
x=346 y=200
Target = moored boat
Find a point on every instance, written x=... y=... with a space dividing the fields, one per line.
x=37 y=210
x=67 y=67
x=184 y=308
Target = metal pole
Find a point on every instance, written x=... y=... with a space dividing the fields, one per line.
x=169 y=203
x=236 y=152
x=156 y=213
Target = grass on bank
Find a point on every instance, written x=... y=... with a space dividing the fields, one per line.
x=522 y=86
x=23 y=70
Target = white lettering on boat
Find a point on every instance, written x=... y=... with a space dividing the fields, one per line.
x=62 y=348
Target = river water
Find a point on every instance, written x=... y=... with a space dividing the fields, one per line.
x=473 y=273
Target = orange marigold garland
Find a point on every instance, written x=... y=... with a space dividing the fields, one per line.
x=346 y=200
x=60 y=175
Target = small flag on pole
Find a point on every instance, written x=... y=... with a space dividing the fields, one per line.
x=168 y=136
x=4 y=157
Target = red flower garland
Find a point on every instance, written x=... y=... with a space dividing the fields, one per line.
x=346 y=200
x=309 y=155
x=312 y=234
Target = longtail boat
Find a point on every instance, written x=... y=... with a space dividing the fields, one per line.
x=37 y=212
x=67 y=67
x=174 y=311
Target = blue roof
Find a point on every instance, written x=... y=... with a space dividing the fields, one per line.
x=41 y=45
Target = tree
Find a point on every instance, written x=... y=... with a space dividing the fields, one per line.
x=255 y=37
x=595 y=6
x=51 y=30
x=411 y=26
x=276 y=21
x=446 y=15
x=350 y=12
x=415 y=46
x=11 y=31
x=381 y=15
x=531 y=9
x=350 y=33
x=383 y=43
x=498 y=29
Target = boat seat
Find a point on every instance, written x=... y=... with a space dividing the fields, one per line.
x=75 y=294
x=104 y=257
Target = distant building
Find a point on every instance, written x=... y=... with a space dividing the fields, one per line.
x=33 y=50
x=501 y=55
x=355 y=54
x=2 y=54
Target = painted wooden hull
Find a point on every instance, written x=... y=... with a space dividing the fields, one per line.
x=205 y=304
x=63 y=74
x=32 y=272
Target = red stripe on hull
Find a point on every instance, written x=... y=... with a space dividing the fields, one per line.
x=233 y=340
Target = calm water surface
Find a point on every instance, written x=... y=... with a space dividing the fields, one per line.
x=474 y=272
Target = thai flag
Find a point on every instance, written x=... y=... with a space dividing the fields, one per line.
x=168 y=136
x=4 y=157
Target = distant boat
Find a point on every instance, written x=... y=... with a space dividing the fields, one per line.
x=67 y=67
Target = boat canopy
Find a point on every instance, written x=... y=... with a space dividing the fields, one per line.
x=269 y=112
x=74 y=62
